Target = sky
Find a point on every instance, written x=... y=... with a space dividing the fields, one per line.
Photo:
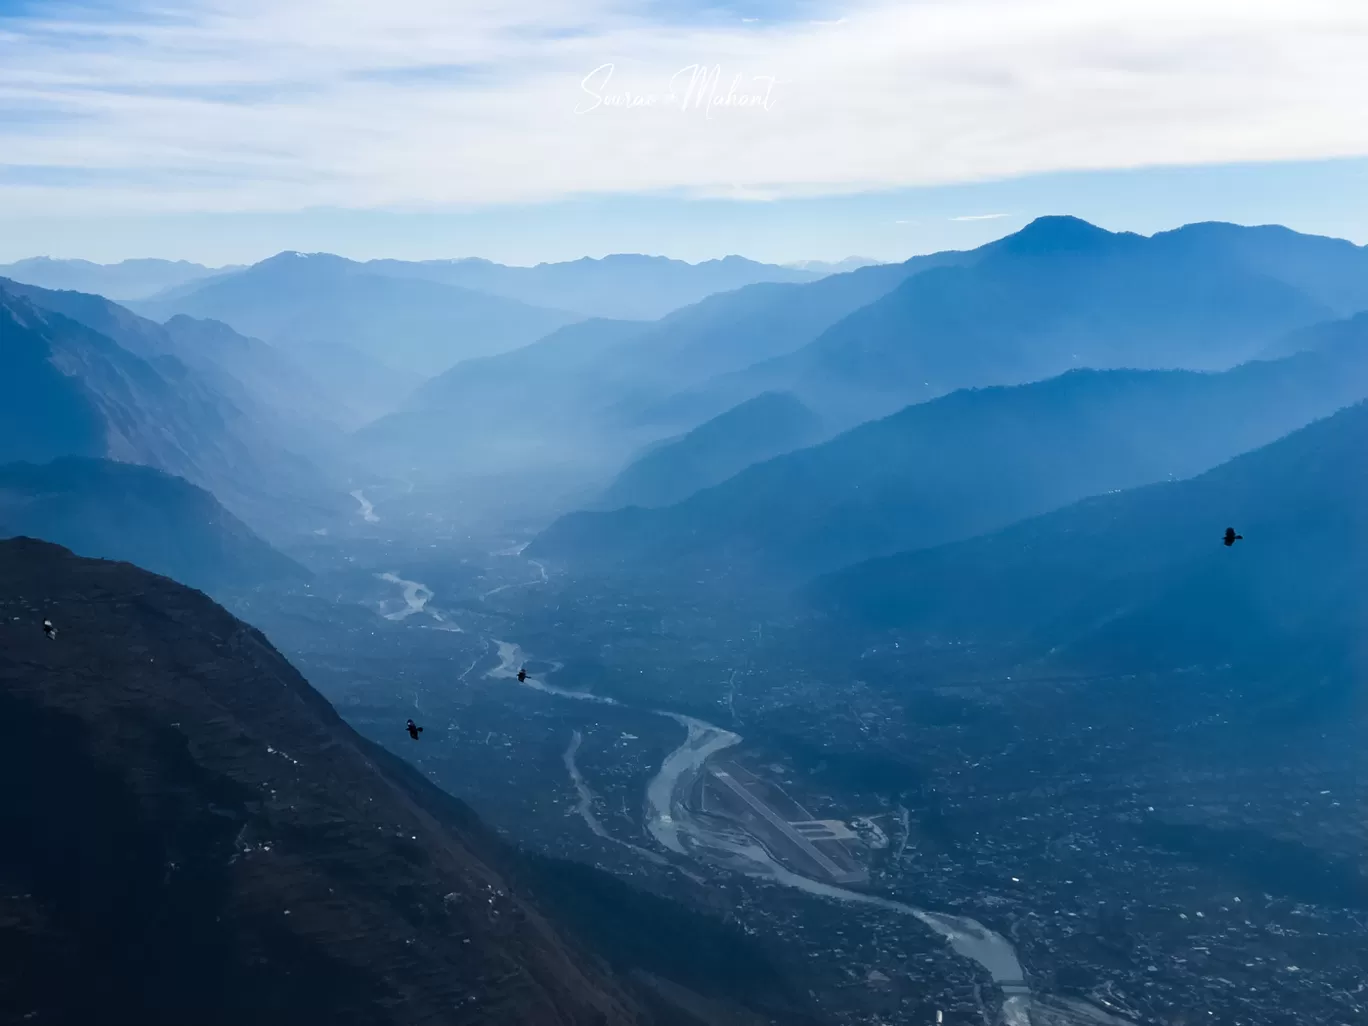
x=223 y=131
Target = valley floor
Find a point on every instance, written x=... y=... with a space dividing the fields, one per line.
x=1134 y=881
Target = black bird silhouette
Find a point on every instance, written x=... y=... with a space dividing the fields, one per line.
x=1231 y=537
x=522 y=675
x=414 y=730
x=48 y=629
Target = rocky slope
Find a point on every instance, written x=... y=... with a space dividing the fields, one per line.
x=192 y=834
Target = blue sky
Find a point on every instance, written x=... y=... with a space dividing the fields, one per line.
x=226 y=130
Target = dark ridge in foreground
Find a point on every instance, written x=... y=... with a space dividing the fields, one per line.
x=193 y=835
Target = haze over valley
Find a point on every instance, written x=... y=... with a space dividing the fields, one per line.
x=917 y=678
x=829 y=513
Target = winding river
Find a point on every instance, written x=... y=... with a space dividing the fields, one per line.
x=585 y=806
x=667 y=814
x=367 y=510
x=671 y=824
x=416 y=596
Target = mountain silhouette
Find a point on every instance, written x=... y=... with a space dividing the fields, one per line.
x=263 y=383
x=314 y=301
x=597 y=391
x=622 y=286
x=1059 y=294
x=68 y=390
x=769 y=425
x=1331 y=271
x=128 y=279
x=1319 y=336
x=1139 y=581
x=139 y=515
x=967 y=463
x=521 y=406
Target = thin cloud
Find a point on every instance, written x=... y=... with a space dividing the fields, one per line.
x=980 y=217
x=274 y=105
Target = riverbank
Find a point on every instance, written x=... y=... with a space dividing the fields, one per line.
x=669 y=823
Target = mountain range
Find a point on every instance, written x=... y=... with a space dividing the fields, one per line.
x=1059 y=294
x=1003 y=472
x=627 y=286
x=382 y=327
x=1140 y=580
x=622 y=286
x=521 y=407
x=67 y=389
x=128 y=279
x=967 y=463
x=265 y=384
x=598 y=391
x=414 y=327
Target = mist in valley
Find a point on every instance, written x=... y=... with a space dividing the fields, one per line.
x=972 y=633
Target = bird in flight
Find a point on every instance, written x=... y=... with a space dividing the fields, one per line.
x=522 y=674
x=1231 y=537
x=414 y=730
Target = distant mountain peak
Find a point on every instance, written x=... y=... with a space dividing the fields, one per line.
x=290 y=256
x=43 y=261
x=125 y=280
x=1056 y=232
x=1062 y=223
